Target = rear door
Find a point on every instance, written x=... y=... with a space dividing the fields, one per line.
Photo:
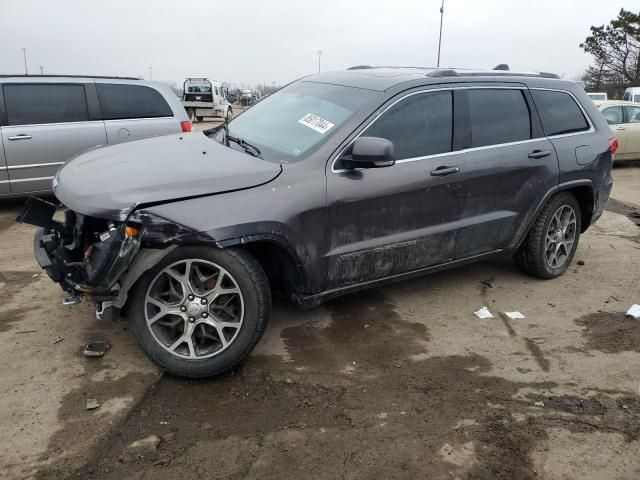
x=132 y=112
x=632 y=124
x=44 y=125
x=506 y=171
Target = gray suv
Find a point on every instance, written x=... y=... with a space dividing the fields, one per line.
x=338 y=182
x=45 y=120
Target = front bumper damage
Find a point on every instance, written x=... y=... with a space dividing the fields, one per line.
x=85 y=255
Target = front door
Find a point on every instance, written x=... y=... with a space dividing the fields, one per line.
x=47 y=124
x=632 y=123
x=391 y=220
x=615 y=118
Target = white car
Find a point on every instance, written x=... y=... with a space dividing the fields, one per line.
x=598 y=96
x=624 y=119
x=632 y=94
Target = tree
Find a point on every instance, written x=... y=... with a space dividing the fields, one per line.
x=616 y=52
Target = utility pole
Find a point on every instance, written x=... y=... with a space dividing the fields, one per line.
x=41 y=70
x=150 y=75
x=24 y=54
x=440 y=38
x=319 y=55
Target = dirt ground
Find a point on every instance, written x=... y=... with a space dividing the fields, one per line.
x=397 y=382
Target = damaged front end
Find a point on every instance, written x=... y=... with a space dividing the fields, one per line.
x=85 y=255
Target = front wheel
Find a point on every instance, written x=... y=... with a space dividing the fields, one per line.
x=552 y=242
x=200 y=311
x=229 y=116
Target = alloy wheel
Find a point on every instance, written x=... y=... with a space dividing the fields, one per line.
x=560 y=237
x=194 y=309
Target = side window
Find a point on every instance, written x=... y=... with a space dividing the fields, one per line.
x=29 y=104
x=131 y=101
x=613 y=115
x=498 y=116
x=418 y=125
x=559 y=112
x=632 y=114
x=627 y=96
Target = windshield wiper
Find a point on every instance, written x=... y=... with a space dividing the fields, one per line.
x=249 y=148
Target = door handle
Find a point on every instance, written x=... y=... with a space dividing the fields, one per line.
x=444 y=171
x=539 y=154
x=22 y=136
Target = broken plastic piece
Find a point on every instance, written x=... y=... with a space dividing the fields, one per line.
x=514 y=315
x=96 y=349
x=92 y=404
x=634 y=311
x=483 y=313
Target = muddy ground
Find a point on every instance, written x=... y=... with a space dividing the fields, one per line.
x=396 y=382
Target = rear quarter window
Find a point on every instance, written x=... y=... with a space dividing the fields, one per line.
x=131 y=101
x=559 y=112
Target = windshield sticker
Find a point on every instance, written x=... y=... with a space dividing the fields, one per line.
x=316 y=123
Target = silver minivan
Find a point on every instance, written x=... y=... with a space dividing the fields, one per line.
x=46 y=120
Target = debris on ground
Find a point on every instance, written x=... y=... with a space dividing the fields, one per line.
x=58 y=339
x=148 y=443
x=487 y=283
x=92 y=404
x=483 y=313
x=539 y=404
x=634 y=311
x=96 y=349
x=514 y=315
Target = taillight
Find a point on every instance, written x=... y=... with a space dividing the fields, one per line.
x=613 y=145
x=186 y=126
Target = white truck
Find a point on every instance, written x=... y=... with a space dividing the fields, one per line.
x=205 y=98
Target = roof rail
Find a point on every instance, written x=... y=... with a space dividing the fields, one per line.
x=489 y=73
x=22 y=75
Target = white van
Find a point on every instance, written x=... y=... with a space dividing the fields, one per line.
x=632 y=94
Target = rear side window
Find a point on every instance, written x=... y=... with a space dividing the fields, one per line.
x=131 y=101
x=29 y=104
x=418 y=125
x=613 y=115
x=498 y=116
x=559 y=112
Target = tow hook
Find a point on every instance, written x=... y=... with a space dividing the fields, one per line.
x=70 y=300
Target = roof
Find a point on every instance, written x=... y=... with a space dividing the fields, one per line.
x=614 y=103
x=383 y=78
x=67 y=76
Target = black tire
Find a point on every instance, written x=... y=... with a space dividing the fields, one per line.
x=229 y=116
x=192 y=114
x=199 y=119
x=531 y=256
x=253 y=285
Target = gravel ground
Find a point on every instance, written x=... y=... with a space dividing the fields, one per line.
x=397 y=382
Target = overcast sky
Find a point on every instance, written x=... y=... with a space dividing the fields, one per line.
x=277 y=40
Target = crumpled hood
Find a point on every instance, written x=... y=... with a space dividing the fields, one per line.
x=110 y=182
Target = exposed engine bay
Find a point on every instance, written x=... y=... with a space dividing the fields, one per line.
x=83 y=254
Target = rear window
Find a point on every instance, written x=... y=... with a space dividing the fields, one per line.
x=559 y=112
x=498 y=116
x=29 y=104
x=131 y=101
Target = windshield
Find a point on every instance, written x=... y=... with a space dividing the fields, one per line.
x=296 y=120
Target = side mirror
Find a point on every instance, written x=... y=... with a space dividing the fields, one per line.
x=370 y=152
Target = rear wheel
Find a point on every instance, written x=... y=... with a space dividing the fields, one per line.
x=552 y=242
x=199 y=118
x=229 y=114
x=200 y=311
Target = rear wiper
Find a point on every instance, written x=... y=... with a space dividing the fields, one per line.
x=250 y=149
